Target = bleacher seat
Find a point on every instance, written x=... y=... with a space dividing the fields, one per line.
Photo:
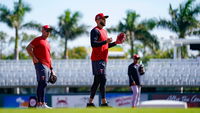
x=170 y=72
x=159 y=72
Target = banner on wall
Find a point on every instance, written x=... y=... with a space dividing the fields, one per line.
x=122 y=100
x=193 y=100
x=59 y=101
x=16 y=101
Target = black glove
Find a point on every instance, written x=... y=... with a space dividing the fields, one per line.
x=52 y=78
x=141 y=69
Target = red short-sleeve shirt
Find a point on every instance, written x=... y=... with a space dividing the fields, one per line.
x=41 y=50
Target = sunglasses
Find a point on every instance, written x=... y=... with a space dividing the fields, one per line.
x=48 y=30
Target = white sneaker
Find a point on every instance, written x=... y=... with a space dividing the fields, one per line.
x=44 y=106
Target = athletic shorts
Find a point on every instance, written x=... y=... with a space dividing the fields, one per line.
x=99 y=67
x=42 y=70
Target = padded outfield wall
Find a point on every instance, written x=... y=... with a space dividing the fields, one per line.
x=80 y=99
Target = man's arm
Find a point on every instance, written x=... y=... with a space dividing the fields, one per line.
x=51 y=67
x=111 y=45
x=130 y=75
x=29 y=49
x=94 y=36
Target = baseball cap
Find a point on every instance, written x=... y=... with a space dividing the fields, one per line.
x=136 y=56
x=47 y=27
x=100 y=16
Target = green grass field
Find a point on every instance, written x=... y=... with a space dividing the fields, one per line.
x=102 y=110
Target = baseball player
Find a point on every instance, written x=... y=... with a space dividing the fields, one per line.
x=135 y=70
x=39 y=50
x=100 y=43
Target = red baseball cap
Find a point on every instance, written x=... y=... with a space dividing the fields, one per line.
x=100 y=16
x=47 y=27
x=136 y=56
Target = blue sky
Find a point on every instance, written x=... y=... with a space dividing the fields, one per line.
x=48 y=11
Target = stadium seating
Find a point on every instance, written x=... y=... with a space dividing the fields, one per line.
x=159 y=72
x=169 y=72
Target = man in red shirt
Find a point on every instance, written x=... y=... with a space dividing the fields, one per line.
x=100 y=44
x=39 y=50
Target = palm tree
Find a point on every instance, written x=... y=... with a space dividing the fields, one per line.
x=69 y=28
x=137 y=31
x=183 y=21
x=15 y=18
x=25 y=39
x=3 y=36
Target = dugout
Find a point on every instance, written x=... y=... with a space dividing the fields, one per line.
x=193 y=43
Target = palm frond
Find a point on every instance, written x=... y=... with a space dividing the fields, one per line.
x=195 y=11
x=150 y=23
x=5 y=15
x=165 y=24
x=20 y=9
x=78 y=31
x=26 y=37
x=3 y=36
x=32 y=25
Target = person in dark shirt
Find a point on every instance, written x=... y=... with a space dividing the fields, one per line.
x=100 y=44
x=135 y=70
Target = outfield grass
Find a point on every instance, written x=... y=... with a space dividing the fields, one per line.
x=102 y=110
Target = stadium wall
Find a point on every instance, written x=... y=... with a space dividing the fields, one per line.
x=80 y=99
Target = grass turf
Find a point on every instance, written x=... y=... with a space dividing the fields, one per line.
x=102 y=110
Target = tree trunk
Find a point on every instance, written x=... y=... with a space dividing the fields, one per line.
x=183 y=49
x=184 y=53
x=16 y=51
x=132 y=43
x=1 y=49
x=144 y=53
x=65 y=54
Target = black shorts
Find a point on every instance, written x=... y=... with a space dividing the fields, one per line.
x=99 y=67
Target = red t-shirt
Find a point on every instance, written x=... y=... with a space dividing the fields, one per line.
x=41 y=51
x=100 y=53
